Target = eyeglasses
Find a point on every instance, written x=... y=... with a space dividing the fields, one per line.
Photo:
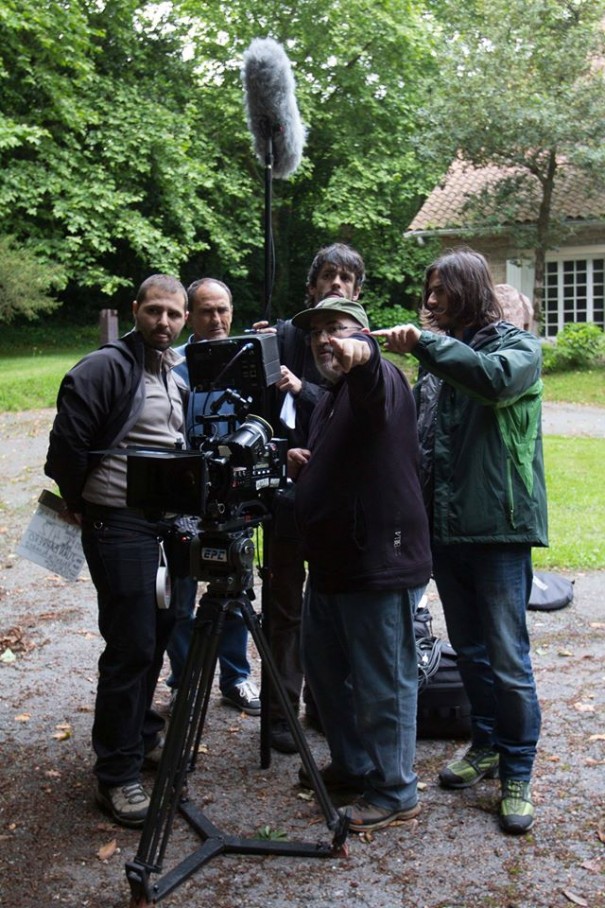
x=330 y=331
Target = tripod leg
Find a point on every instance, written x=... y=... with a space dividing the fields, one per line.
x=180 y=748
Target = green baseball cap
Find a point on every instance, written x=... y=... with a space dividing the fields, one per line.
x=332 y=305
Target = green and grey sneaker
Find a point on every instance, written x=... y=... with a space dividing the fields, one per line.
x=516 y=809
x=477 y=763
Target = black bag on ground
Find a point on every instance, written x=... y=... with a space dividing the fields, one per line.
x=550 y=592
x=443 y=707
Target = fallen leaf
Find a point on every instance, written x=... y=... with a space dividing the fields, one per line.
x=64 y=731
x=596 y=624
x=421 y=786
x=565 y=652
x=590 y=761
x=23 y=717
x=553 y=758
x=596 y=738
x=108 y=851
x=584 y=707
x=52 y=774
x=601 y=830
x=305 y=796
x=572 y=897
x=593 y=866
x=8 y=656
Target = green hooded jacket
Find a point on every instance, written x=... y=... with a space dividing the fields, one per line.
x=480 y=426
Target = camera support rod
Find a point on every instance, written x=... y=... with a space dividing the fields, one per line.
x=180 y=755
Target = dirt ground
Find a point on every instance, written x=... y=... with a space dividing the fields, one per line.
x=57 y=848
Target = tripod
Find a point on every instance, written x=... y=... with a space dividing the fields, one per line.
x=180 y=756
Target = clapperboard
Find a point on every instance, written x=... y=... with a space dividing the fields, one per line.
x=51 y=541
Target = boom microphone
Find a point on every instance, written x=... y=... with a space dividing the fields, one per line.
x=271 y=108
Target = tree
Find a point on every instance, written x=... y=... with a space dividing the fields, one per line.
x=521 y=87
x=124 y=147
x=26 y=284
x=103 y=167
x=357 y=67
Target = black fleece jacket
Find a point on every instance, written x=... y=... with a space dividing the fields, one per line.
x=358 y=500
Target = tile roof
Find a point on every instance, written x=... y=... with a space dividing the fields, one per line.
x=444 y=207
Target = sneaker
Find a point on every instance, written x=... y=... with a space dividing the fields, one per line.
x=243 y=696
x=366 y=817
x=128 y=804
x=516 y=809
x=334 y=779
x=281 y=738
x=477 y=763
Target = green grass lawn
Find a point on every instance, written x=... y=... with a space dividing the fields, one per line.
x=576 y=504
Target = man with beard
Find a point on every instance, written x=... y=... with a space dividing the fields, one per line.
x=365 y=536
x=124 y=394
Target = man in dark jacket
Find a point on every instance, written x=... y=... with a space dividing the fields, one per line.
x=336 y=270
x=123 y=394
x=365 y=534
x=479 y=416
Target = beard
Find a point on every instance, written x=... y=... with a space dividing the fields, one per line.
x=327 y=370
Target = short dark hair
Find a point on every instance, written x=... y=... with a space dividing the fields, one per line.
x=193 y=288
x=164 y=282
x=342 y=256
x=469 y=286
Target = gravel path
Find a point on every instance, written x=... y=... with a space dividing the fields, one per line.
x=56 y=848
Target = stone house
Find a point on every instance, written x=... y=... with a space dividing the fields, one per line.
x=574 y=284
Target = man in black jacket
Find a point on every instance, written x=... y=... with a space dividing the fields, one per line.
x=336 y=270
x=123 y=394
x=365 y=535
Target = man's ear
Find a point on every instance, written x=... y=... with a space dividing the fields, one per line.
x=135 y=308
x=365 y=331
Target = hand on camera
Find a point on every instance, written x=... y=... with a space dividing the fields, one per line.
x=289 y=382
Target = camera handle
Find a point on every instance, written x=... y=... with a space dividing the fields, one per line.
x=180 y=756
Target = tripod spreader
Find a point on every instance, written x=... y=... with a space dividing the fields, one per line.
x=180 y=755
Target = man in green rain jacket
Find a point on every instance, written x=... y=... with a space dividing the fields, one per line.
x=479 y=417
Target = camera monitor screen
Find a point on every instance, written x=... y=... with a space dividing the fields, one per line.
x=249 y=364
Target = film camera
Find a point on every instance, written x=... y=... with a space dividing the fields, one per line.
x=224 y=480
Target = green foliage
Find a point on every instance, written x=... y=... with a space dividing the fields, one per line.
x=579 y=345
x=124 y=147
x=25 y=283
x=382 y=316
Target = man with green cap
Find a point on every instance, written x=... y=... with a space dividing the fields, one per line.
x=365 y=532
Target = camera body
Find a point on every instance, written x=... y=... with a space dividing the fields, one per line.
x=224 y=487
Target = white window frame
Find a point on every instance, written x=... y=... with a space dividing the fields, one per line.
x=522 y=277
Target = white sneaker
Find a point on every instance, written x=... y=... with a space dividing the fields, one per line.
x=243 y=696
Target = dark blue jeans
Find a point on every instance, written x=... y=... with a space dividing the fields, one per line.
x=122 y=553
x=360 y=661
x=484 y=590
x=232 y=649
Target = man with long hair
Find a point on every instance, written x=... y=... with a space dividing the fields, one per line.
x=479 y=415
